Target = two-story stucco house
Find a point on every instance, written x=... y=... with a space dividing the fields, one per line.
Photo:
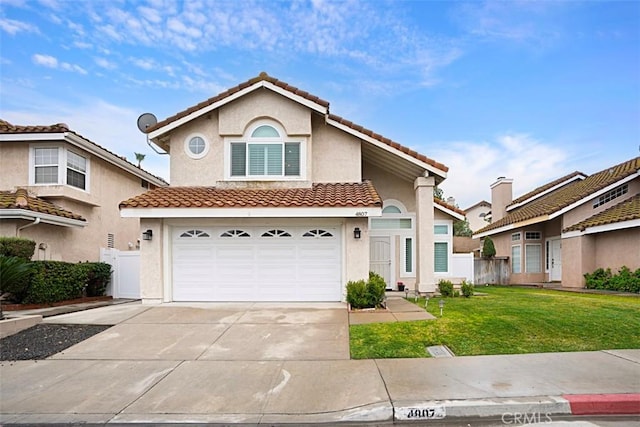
x=569 y=226
x=273 y=198
x=62 y=191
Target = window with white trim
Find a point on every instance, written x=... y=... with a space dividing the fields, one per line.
x=516 y=262
x=533 y=258
x=440 y=229
x=407 y=255
x=317 y=233
x=266 y=152
x=235 y=233
x=196 y=146
x=194 y=234
x=610 y=195
x=532 y=235
x=515 y=237
x=441 y=257
x=276 y=233
x=58 y=166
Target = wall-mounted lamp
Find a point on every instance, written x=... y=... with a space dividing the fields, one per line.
x=357 y=233
x=147 y=235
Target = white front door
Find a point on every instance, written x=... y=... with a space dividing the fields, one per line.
x=555 y=260
x=380 y=257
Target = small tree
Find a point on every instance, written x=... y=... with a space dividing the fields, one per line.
x=461 y=228
x=438 y=193
x=14 y=274
x=488 y=249
x=140 y=157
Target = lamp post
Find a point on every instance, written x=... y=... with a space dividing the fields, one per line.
x=441 y=305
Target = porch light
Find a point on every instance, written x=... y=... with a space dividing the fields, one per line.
x=357 y=233
x=147 y=235
x=441 y=304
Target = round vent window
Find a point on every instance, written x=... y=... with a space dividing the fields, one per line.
x=196 y=146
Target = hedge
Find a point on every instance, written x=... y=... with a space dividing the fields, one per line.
x=370 y=294
x=624 y=281
x=53 y=281
x=17 y=247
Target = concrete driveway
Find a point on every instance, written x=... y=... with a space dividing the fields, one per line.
x=234 y=331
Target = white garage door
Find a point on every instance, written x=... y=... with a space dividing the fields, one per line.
x=257 y=264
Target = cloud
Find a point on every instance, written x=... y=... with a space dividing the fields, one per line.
x=105 y=63
x=52 y=62
x=13 y=27
x=474 y=166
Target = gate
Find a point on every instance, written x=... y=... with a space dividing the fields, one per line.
x=125 y=279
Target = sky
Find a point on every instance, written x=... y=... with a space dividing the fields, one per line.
x=529 y=90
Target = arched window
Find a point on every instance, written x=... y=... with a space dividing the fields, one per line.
x=276 y=233
x=317 y=233
x=266 y=152
x=235 y=233
x=194 y=234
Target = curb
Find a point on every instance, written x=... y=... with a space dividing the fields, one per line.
x=530 y=409
x=604 y=404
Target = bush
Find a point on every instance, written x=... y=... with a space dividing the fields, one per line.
x=361 y=294
x=624 y=281
x=96 y=276
x=488 y=248
x=17 y=247
x=446 y=288
x=15 y=277
x=54 y=281
x=466 y=289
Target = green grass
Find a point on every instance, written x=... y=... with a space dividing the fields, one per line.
x=508 y=320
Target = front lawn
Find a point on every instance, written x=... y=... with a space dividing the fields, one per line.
x=508 y=320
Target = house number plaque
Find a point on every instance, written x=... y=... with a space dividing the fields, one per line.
x=420 y=413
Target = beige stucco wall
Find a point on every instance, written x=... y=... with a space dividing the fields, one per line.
x=618 y=248
x=208 y=170
x=473 y=216
x=152 y=256
x=109 y=185
x=389 y=186
x=234 y=117
x=335 y=155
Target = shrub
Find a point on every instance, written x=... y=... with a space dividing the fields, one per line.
x=466 y=289
x=54 y=281
x=17 y=247
x=446 y=288
x=356 y=293
x=370 y=294
x=15 y=275
x=488 y=248
x=624 y=281
x=96 y=276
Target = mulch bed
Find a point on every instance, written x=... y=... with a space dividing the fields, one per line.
x=43 y=340
x=16 y=307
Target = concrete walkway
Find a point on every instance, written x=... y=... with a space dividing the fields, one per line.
x=184 y=364
x=398 y=310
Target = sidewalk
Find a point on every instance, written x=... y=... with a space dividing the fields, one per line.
x=172 y=378
x=398 y=310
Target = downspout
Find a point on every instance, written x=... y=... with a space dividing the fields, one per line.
x=35 y=222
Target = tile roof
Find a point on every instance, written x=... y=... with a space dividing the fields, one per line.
x=479 y=204
x=265 y=77
x=9 y=128
x=20 y=199
x=624 y=211
x=261 y=77
x=319 y=195
x=448 y=206
x=567 y=195
x=545 y=187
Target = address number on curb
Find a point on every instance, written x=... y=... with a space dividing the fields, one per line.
x=420 y=413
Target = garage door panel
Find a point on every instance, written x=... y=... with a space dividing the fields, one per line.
x=285 y=266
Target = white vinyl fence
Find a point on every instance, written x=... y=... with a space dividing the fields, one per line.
x=462 y=266
x=125 y=277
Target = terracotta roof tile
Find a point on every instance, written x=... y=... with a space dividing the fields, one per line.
x=319 y=195
x=20 y=199
x=448 y=206
x=262 y=77
x=545 y=187
x=624 y=211
x=389 y=142
x=9 y=128
x=567 y=195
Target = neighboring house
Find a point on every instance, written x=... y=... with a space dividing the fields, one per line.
x=570 y=226
x=478 y=215
x=273 y=198
x=62 y=191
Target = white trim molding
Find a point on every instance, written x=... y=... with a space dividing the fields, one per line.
x=342 y=212
x=603 y=228
x=44 y=218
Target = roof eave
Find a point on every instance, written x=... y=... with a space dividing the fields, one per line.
x=258 y=212
x=620 y=225
x=512 y=226
x=157 y=133
x=449 y=212
x=44 y=218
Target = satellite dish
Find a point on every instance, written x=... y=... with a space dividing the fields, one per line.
x=145 y=121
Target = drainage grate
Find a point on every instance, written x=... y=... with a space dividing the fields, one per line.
x=440 y=351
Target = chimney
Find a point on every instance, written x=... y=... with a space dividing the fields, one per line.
x=451 y=201
x=501 y=196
